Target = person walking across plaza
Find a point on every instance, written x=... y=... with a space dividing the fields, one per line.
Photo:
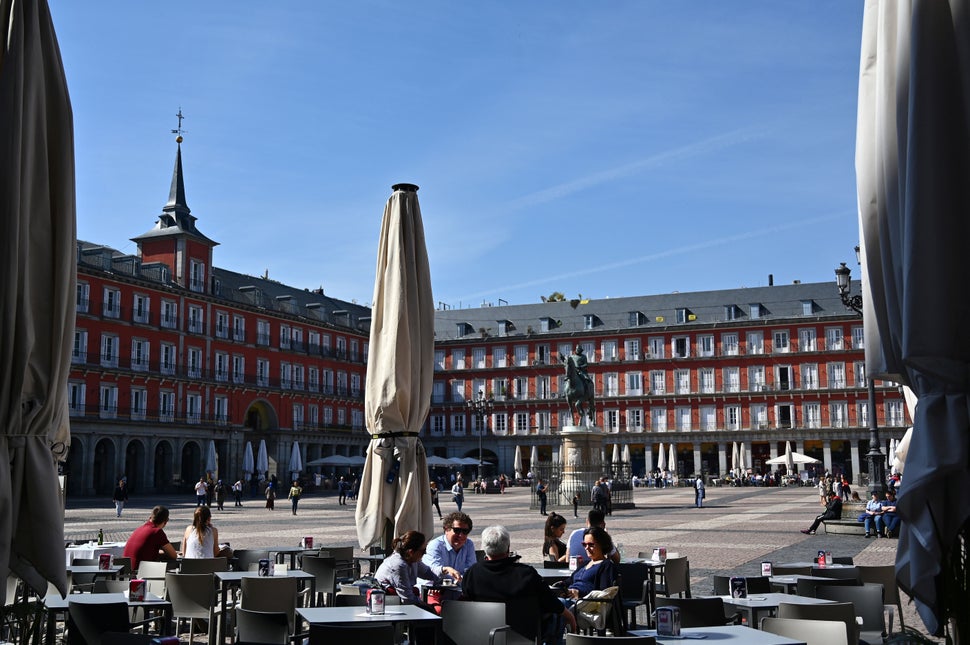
x=699 y=492
x=458 y=493
x=342 y=487
x=200 y=491
x=220 y=494
x=270 y=496
x=434 y=498
x=541 y=493
x=120 y=497
x=294 y=495
x=237 y=489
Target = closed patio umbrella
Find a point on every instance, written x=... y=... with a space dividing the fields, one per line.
x=37 y=216
x=616 y=453
x=517 y=462
x=912 y=163
x=672 y=458
x=789 y=460
x=249 y=462
x=262 y=459
x=742 y=459
x=661 y=458
x=625 y=457
x=296 y=461
x=534 y=457
x=212 y=459
x=400 y=364
x=735 y=463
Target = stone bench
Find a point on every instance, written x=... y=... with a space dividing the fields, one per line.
x=844 y=527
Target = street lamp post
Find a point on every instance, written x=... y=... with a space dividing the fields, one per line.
x=481 y=408
x=875 y=456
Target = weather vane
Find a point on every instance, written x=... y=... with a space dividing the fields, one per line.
x=179 y=131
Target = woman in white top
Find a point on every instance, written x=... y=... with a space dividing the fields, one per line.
x=201 y=539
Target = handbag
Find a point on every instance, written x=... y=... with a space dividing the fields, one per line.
x=594 y=607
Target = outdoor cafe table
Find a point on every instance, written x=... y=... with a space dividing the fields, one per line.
x=373 y=561
x=790 y=583
x=92 y=550
x=284 y=551
x=553 y=575
x=767 y=603
x=57 y=608
x=228 y=580
x=721 y=634
x=655 y=572
x=343 y=615
x=816 y=566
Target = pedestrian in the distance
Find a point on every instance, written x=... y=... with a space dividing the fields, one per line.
x=458 y=494
x=342 y=488
x=434 y=498
x=220 y=494
x=699 y=492
x=541 y=494
x=576 y=505
x=120 y=496
x=295 y=492
x=200 y=492
x=270 y=496
x=237 y=489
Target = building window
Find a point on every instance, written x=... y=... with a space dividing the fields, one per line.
x=79 y=353
x=611 y=384
x=342 y=388
x=636 y=318
x=756 y=378
x=759 y=416
x=111 y=307
x=262 y=372
x=706 y=378
x=631 y=349
x=139 y=404
x=589 y=321
x=808 y=307
x=195 y=319
x=859 y=371
x=193 y=408
x=612 y=420
x=139 y=310
x=657 y=347
x=296 y=343
x=732 y=417
x=262 y=333
x=708 y=418
x=681 y=381
x=194 y=362
x=327 y=416
x=680 y=345
x=298 y=416
x=705 y=345
x=439 y=360
x=458 y=425
x=755 y=342
x=437 y=424
x=196 y=276
x=286 y=374
x=109 y=402
x=239 y=329
x=729 y=344
x=658 y=382
x=166 y=406
x=783 y=377
x=478 y=358
x=438 y=392
x=894 y=413
x=83 y=301
x=521 y=353
x=833 y=339
x=170 y=315
x=809 y=376
x=313 y=379
x=238 y=369
x=807 y=340
x=500 y=425
x=139 y=354
x=521 y=423
x=780 y=341
x=862 y=412
x=754 y=310
x=812 y=413
x=732 y=379
x=836 y=376
x=313 y=416
x=327 y=384
x=75 y=398
x=109 y=350
x=634 y=420
x=342 y=417
x=543 y=422
x=731 y=312
x=167 y=362
x=658 y=419
x=634 y=384
x=222 y=324
x=222 y=367
x=222 y=410
x=284 y=336
x=298 y=378
x=610 y=350
x=839 y=414
x=683 y=416
x=544 y=388
x=858 y=337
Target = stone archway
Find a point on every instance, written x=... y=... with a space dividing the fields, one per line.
x=104 y=478
x=135 y=468
x=164 y=466
x=261 y=416
x=192 y=466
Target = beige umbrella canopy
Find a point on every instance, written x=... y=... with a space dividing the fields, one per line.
x=394 y=485
x=37 y=284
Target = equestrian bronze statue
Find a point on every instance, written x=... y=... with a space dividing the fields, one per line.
x=579 y=388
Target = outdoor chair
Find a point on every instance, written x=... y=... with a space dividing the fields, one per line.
x=242 y=558
x=701 y=612
x=634 y=589
x=810 y=632
x=587 y=639
x=377 y=634
x=193 y=597
x=676 y=578
x=261 y=627
x=271 y=594
x=843 y=559
x=125 y=564
x=325 y=572
x=153 y=573
x=600 y=611
x=203 y=565
x=344 y=561
x=110 y=586
x=778 y=570
x=809 y=586
x=754 y=585
x=841 y=611
x=886 y=576
x=848 y=573
x=868 y=601
x=470 y=622
x=554 y=564
x=87 y=622
x=84 y=581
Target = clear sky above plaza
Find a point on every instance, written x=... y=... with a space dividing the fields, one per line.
x=607 y=149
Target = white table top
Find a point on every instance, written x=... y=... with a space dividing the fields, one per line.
x=816 y=565
x=768 y=600
x=235 y=576
x=54 y=601
x=92 y=550
x=392 y=614
x=720 y=634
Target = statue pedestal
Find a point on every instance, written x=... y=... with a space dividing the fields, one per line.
x=582 y=458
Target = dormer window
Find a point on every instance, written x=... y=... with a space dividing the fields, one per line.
x=808 y=307
x=637 y=318
x=464 y=329
x=504 y=327
x=196 y=276
x=756 y=310
x=547 y=324
x=685 y=315
x=732 y=312
x=590 y=321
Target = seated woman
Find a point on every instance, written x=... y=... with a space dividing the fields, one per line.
x=873 y=513
x=599 y=573
x=201 y=539
x=401 y=570
x=553 y=548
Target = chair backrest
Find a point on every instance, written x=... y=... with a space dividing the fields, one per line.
x=841 y=611
x=85 y=581
x=376 y=634
x=779 y=570
x=884 y=575
x=203 y=565
x=633 y=575
x=324 y=570
x=843 y=559
x=809 y=586
x=677 y=576
x=270 y=593
x=262 y=627
x=110 y=586
x=192 y=594
x=12 y=583
x=811 y=632
x=554 y=564
x=125 y=564
x=86 y=622
x=245 y=557
x=868 y=601
x=346 y=600
x=344 y=559
x=470 y=622
x=149 y=569
x=585 y=639
x=847 y=573
x=754 y=584
x=697 y=612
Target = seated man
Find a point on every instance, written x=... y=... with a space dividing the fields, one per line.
x=887 y=524
x=501 y=578
x=574 y=546
x=149 y=542
x=833 y=511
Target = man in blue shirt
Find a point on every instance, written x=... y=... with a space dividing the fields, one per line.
x=574 y=546
x=452 y=553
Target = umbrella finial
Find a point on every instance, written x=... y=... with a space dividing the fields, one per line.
x=408 y=188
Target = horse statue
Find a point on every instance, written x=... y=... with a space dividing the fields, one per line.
x=578 y=393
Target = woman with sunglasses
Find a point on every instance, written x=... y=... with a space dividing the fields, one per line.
x=599 y=573
x=400 y=570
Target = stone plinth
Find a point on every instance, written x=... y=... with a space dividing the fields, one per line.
x=582 y=459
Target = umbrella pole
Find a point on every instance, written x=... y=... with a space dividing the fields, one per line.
x=387 y=537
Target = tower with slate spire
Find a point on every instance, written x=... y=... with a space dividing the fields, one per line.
x=175 y=241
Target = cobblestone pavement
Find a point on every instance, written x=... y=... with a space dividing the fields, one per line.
x=736 y=530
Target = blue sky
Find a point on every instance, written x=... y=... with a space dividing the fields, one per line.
x=606 y=149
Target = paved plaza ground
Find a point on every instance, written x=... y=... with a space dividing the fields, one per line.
x=736 y=530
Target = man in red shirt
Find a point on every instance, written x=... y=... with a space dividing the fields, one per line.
x=148 y=541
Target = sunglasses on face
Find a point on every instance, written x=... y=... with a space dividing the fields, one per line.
x=589 y=545
x=460 y=531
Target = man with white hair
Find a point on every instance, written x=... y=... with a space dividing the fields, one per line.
x=501 y=578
